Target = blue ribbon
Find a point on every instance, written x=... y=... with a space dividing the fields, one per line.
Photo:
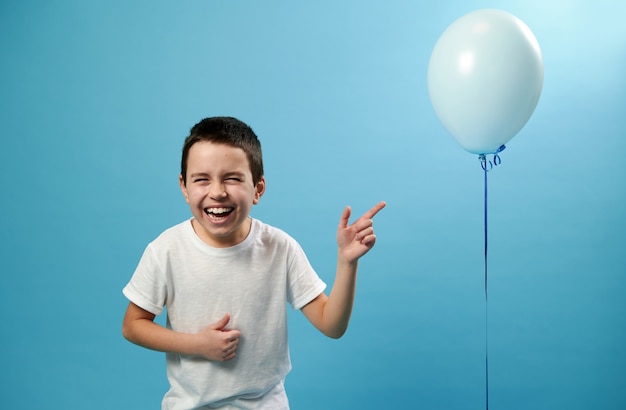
x=485 y=169
x=487 y=165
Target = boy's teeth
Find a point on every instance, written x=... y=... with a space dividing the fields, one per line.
x=218 y=210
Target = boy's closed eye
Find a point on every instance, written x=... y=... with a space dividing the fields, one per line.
x=234 y=178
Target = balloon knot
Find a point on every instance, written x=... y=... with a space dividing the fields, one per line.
x=486 y=164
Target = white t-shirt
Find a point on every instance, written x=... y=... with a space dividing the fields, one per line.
x=253 y=281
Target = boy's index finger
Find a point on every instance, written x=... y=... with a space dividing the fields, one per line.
x=375 y=209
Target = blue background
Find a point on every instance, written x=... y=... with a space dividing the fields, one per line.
x=96 y=98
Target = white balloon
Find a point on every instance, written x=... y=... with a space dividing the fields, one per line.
x=485 y=77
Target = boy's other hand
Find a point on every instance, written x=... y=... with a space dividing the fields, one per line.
x=218 y=343
x=357 y=239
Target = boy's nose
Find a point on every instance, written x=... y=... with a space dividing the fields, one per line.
x=217 y=191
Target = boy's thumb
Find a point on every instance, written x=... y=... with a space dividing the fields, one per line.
x=221 y=324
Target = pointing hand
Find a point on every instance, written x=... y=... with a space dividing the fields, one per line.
x=357 y=239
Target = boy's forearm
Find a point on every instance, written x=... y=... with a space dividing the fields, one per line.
x=153 y=336
x=338 y=309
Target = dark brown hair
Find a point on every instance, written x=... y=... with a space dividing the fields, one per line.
x=229 y=131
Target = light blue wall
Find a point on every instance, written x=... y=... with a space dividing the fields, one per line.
x=96 y=97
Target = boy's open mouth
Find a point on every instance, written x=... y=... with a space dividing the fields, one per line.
x=218 y=212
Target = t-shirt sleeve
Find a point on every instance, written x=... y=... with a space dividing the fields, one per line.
x=303 y=283
x=147 y=287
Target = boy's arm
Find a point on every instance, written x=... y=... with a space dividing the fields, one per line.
x=331 y=314
x=214 y=342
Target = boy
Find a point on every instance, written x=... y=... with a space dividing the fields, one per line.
x=226 y=278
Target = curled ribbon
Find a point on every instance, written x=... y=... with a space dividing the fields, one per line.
x=487 y=165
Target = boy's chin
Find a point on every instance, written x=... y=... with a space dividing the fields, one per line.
x=220 y=235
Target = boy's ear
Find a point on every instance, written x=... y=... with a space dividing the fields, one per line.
x=260 y=190
x=183 y=188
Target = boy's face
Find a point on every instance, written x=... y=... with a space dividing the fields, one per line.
x=220 y=192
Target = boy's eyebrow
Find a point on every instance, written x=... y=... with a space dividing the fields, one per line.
x=235 y=173
x=198 y=174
